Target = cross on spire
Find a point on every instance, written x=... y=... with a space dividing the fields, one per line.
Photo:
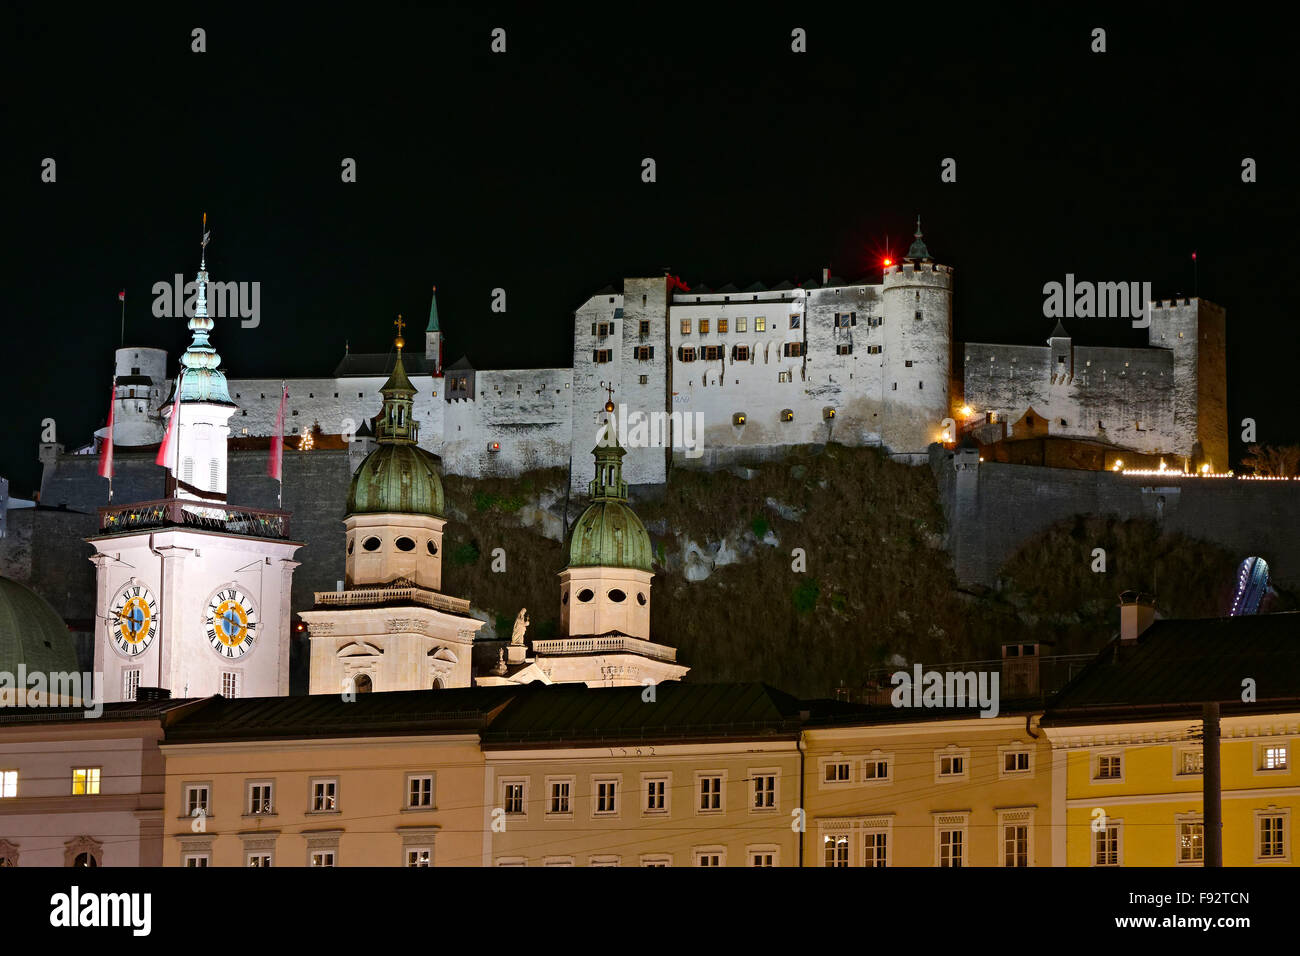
x=609 y=390
x=399 y=341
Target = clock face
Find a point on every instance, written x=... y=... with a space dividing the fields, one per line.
x=133 y=619
x=231 y=622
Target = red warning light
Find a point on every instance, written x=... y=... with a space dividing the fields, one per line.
x=889 y=262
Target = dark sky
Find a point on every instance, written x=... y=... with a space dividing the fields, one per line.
x=522 y=171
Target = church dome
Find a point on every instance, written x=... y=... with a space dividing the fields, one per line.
x=32 y=633
x=400 y=478
x=610 y=535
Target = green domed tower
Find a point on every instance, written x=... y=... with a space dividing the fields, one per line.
x=395 y=502
x=32 y=633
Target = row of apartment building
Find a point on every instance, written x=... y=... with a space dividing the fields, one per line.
x=1107 y=773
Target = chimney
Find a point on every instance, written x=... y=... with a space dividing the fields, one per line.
x=152 y=693
x=1136 y=613
x=826 y=275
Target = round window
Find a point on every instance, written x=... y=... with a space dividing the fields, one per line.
x=617 y=596
x=352 y=542
x=585 y=595
x=433 y=548
x=371 y=544
x=564 y=598
x=405 y=544
x=640 y=598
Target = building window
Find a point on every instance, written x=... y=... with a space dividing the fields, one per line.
x=1106 y=846
x=686 y=353
x=740 y=353
x=419 y=856
x=760 y=324
x=712 y=353
x=952 y=847
x=1015 y=761
x=1191 y=762
x=875 y=849
x=603 y=861
x=643 y=328
x=513 y=796
x=85 y=781
x=606 y=796
x=712 y=856
x=836 y=772
x=643 y=379
x=875 y=769
x=919 y=315
x=765 y=791
x=952 y=765
x=1191 y=841
x=419 y=790
x=322 y=858
x=324 y=796
x=259 y=858
x=784 y=377
x=908 y=363
x=741 y=323
x=601 y=356
x=704 y=326
x=656 y=796
x=560 y=792
x=259 y=798
x=197 y=799
x=1017 y=831
x=844 y=349
x=1110 y=767
x=722 y=325
x=762 y=856
x=874 y=349
x=1271 y=827
x=792 y=349
x=643 y=353
x=8 y=783
x=794 y=321
x=1273 y=757
x=710 y=788
x=686 y=326
x=197 y=859
x=130 y=684
x=657 y=860
x=229 y=684
x=835 y=850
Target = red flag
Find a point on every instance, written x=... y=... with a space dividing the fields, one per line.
x=106 y=449
x=169 y=437
x=121 y=296
x=274 y=464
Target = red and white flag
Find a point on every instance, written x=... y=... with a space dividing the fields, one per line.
x=169 y=437
x=275 y=462
x=106 y=449
x=121 y=296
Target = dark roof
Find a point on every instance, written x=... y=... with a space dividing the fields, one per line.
x=462 y=362
x=1176 y=666
x=380 y=364
x=783 y=286
x=826 y=712
x=1059 y=332
x=756 y=287
x=702 y=288
x=545 y=715
x=729 y=287
x=123 y=710
x=459 y=710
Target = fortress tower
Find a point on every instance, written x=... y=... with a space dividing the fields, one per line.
x=917 y=349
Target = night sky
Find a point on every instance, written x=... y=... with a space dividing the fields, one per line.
x=522 y=171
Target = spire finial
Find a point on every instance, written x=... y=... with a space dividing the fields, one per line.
x=399 y=341
x=918 y=226
x=609 y=391
x=203 y=257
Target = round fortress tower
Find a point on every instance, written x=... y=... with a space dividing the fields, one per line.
x=142 y=384
x=918 y=349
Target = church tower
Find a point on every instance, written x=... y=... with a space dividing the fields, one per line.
x=433 y=337
x=391 y=628
x=192 y=593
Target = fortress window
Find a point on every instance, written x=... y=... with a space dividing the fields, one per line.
x=722 y=325
x=740 y=353
x=643 y=300
x=741 y=324
x=908 y=363
x=895 y=387
x=645 y=327
x=919 y=315
x=844 y=350
x=783 y=377
x=711 y=353
x=874 y=349
x=787 y=415
x=585 y=595
x=640 y=598
x=600 y=356
x=641 y=380
x=794 y=321
x=405 y=544
x=760 y=324
x=686 y=353
x=136 y=371
x=686 y=326
x=617 y=596
x=336 y=394
x=843 y=319
x=643 y=353
x=564 y=596
x=371 y=544
x=432 y=548
x=792 y=349
x=704 y=326
x=351 y=544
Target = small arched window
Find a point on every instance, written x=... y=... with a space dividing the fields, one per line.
x=362 y=684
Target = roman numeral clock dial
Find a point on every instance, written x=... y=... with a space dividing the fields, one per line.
x=133 y=619
x=230 y=620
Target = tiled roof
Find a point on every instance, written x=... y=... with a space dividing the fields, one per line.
x=123 y=710
x=1176 y=666
x=545 y=715
x=380 y=364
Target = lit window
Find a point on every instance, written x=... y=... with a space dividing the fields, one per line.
x=8 y=783
x=85 y=781
x=741 y=324
x=514 y=797
x=760 y=324
x=835 y=850
x=1191 y=842
x=1274 y=758
x=1193 y=762
x=686 y=326
x=1105 y=847
x=704 y=326
x=722 y=325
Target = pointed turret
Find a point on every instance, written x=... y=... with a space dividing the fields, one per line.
x=201 y=376
x=433 y=336
x=397 y=422
x=919 y=249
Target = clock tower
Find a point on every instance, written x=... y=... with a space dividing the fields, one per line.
x=192 y=593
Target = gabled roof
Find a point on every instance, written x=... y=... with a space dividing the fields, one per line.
x=783 y=286
x=462 y=362
x=729 y=287
x=122 y=710
x=380 y=364
x=1176 y=666
x=756 y=287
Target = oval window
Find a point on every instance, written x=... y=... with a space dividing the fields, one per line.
x=617 y=596
x=371 y=544
x=564 y=598
x=640 y=598
x=405 y=544
x=585 y=595
x=433 y=548
x=352 y=543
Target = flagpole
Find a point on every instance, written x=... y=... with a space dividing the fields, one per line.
x=279 y=477
x=111 y=407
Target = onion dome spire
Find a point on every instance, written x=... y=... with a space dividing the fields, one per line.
x=202 y=379
x=397 y=422
x=918 y=250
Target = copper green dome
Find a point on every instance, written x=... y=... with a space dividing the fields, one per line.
x=609 y=534
x=32 y=633
x=397 y=478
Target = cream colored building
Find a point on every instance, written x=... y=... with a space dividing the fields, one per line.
x=920 y=787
